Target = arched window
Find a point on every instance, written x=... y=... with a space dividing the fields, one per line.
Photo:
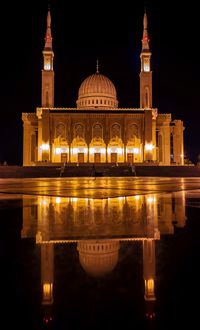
x=79 y=130
x=116 y=131
x=133 y=131
x=60 y=130
x=97 y=131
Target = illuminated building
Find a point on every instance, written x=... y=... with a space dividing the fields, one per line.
x=97 y=130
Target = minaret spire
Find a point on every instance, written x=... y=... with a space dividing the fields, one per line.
x=47 y=71
x=97 y=66
x=145 y=39
x=48 y=37
x=146 y=73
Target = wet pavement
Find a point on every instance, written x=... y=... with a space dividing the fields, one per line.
x=86 y=253
x=96 y=187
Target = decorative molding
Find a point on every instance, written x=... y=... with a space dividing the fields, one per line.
x=31 y=117
x=95 y=109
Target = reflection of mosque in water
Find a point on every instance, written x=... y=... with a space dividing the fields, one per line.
x=98 y=227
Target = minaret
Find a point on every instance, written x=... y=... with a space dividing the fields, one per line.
x=146 y=73
x=149 y=274
x=47 y=71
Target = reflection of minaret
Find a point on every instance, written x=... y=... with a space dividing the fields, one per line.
x=98 y=257
x=151 y=216
x=47 y=273
x=47 y=278
x=149 y=273
x=179 y=209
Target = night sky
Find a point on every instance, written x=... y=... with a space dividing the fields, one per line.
x=87 y=30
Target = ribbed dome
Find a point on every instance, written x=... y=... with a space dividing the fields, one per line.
x=98 y=257
x=97 y=91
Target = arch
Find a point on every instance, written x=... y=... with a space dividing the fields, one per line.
x=115 y=131
x=79 y=130
x=134 y=144
x=97 y=131
x=60 y=131
x=133 y=131
x=97 y=147
x=60 y=147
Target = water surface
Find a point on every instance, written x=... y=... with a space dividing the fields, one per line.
x=125 y=259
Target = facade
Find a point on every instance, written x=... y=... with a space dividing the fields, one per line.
x=97 y=130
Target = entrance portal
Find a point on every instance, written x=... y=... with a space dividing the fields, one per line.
x=63 y=157
x=97 y=158
x=130 y=158
x=80 y=157
x=113 y=157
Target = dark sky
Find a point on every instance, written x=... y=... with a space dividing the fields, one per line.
x=112 y=32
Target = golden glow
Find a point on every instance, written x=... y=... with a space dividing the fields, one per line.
x=137 y=197
x=149 y=284
x=79 y=150
x=47 y=66
x=119 y=151
x=74 y=199
x=58 y=200
x=38 y=237
x=136 y=151
x=151 y=200
x=149 y=146
x=97 y=150
x=58 y=151
x=47 y=291
x=103 y=151
x=146 y=65
x=43 y=202
x=149 y=289
x=75 y=150
x=45 y=147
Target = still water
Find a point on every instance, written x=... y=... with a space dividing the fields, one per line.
x=89 y=263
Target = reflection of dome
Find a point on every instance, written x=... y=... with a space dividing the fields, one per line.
x=97 y=91
x=98 y=257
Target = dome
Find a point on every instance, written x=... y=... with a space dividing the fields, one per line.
x=98 y=257
x=97 y=91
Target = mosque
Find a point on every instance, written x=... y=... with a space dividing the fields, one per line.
x=97 y=130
